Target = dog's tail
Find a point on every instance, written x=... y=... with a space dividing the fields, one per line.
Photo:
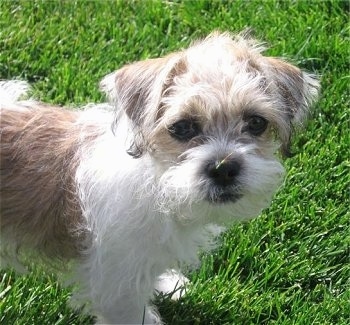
x=12 y=91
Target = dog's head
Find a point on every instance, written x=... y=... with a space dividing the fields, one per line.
x=212 y=118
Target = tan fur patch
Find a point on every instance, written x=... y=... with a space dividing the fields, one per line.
x=39 y=205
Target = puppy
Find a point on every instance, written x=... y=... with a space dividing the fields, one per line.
x=134 y=189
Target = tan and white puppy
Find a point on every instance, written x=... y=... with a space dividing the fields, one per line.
x=132 y=189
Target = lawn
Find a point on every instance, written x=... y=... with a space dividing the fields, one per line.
x=291 y=265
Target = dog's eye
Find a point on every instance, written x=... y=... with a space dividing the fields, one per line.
x=256 y=125
x=184 y=130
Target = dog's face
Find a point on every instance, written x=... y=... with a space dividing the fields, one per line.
x=212 y=118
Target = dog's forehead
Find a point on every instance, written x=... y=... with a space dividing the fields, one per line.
x=221 y=74
x=209 y=92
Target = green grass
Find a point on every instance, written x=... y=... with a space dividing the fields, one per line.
x=289 y=266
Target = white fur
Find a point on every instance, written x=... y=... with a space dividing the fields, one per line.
x=134 y=241
x=144 y=225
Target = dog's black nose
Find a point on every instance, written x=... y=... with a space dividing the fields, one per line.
x=224 y=172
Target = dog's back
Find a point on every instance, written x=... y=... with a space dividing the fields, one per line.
x=38 y=160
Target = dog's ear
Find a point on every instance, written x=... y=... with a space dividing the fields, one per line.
x=296 y=92
x=137 y=91
x=137 y=88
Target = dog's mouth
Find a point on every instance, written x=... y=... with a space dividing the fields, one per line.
x=221 y=197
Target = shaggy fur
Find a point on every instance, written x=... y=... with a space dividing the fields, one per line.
x=132 y=195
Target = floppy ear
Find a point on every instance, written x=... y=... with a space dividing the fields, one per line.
x=297 y=89
x=137 y=90
x=296 y=92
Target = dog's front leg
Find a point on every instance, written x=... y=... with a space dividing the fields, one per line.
x=119 y=289
x=172 y=283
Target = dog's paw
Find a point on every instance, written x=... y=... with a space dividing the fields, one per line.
x=172 y=283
